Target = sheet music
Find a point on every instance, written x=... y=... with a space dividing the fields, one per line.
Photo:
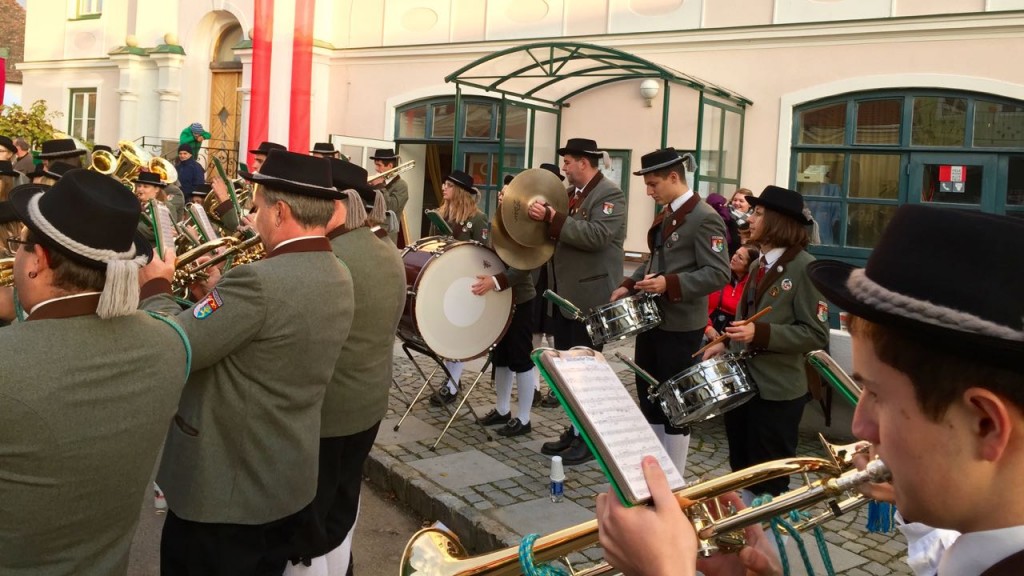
x=613 y=421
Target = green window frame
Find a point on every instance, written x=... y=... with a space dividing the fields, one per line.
x=82 y=114
x=87 y=9
x=850 y=154
x=720 y=160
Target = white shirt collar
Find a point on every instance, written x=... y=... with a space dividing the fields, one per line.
x=675 y=204
x=975 y=552
x=51 y=300
x=772 y=256
x=290 y=240
x=925 y=545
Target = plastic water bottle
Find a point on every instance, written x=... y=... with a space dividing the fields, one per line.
x=557 y=479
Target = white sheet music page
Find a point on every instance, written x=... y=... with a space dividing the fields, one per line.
x=614 y=422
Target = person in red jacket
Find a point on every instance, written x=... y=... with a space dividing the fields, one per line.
x=722 y=304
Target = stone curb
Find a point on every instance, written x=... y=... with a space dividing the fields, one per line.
x=476 y=531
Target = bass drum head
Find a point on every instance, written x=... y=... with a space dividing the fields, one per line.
x=453 y=322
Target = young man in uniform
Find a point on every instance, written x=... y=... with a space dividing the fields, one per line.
x=396 y=190
x=687 y=241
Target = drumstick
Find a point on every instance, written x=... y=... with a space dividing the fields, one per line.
x=723 y=336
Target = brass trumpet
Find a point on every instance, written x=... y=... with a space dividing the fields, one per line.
x=187 y=271
x=438 y=552
x=6 y=272
x=391 y=172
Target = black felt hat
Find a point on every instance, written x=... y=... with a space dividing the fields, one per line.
x=384 y=154
x=941 y=275
x=7 y=213
x=265 y=148
x=56 y=170
x=203 y=188
x=323 y=148
x=7 y=169
x=7 y=143
x=553 y=169
x=462 y=180
x=581 y=147
x=150 y=178
x=657 y=160
x=102 y=147
x=348 y=176
x=87 y=216
x=61 y=148
x=787 y=202
x=297 y=174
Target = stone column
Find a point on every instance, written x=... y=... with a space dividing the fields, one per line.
x=168 y=87
x=132 y=63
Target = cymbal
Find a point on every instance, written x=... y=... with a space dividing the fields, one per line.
x=517 y=255
x=527 y=187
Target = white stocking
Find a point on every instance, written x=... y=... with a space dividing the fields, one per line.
x=503 y=388
x=455 y=368
x=526 y=384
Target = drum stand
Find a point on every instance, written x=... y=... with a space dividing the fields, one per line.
x=408 y=347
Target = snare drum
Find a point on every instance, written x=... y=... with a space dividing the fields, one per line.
x=622 y=318
x=441 y=311
x=705 y=390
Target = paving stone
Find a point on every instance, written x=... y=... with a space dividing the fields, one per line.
x=463 y=469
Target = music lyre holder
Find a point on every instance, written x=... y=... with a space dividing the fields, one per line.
x=409 y=346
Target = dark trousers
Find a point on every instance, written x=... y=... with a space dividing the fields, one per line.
x=569 y=333
x=664 y=354
x=200 y=548
x=331 y=515
x=763 y=430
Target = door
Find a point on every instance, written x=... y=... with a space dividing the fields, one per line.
x=956 y=180
x=481 y=161
x=225 y=120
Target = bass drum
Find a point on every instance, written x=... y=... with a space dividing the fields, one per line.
x=441 y=311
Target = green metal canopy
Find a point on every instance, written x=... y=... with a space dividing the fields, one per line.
x=553 y=72
x=544 y=76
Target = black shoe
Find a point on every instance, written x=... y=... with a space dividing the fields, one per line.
x=549 y=401
x=536 y=400
x=515 y=428
x=443 y=396
x=563 y=442
x=492 y=418
x=577 y=453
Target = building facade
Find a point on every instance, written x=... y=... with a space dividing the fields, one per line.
x=862 y=105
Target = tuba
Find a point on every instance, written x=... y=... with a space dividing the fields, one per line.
x=103 y=162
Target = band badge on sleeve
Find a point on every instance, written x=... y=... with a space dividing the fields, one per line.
x=608 y=208
x=822 y=311
x=717 y=243
x=208 y=305
x=484 y=233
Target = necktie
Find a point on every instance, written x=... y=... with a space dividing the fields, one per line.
x=762 y=270
x=575 y=201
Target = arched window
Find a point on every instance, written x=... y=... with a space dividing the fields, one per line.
x=856 y=157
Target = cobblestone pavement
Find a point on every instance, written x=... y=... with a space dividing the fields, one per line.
x=491 y=490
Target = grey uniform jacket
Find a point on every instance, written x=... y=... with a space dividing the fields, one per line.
x=357 y=397
x=84 y=407
x=588 y=256
x=396 y=195
x=477 y=228
x=693 y=259
x=243 y=447
x=797 y=324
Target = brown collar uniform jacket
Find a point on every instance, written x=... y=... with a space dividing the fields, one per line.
x=691 y=254
x=243 y=447
x=797 y=324
x=588 y=256
x=84 y=407
x=357 y=397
